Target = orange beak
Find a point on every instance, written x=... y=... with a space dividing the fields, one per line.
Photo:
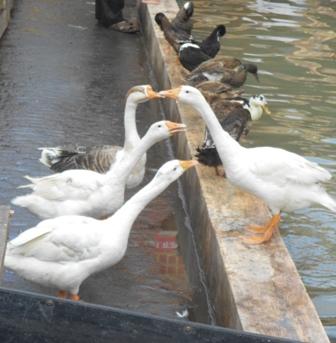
x=266 y=109
x=175 y=127
x=188 y=164
x=151 y=94
x=171 y=93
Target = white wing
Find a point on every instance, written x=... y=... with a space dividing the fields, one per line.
x=62 y=239
x=283 y=167
x=70 y=184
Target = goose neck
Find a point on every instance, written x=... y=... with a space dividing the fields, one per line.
x=131 y=133
x=122 y=220
x=225 y=144
x=123 y=167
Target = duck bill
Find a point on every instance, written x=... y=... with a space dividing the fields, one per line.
x=256 y=76
x=266 y=109
x=171 y=93
x=175 y=127
x=188 y=164
x=151 y=94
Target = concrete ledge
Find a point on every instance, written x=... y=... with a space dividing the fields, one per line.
x=5 y=214
x=5 y=10
x=254 y=288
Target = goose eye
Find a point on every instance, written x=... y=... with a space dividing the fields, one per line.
x=159 y=125
x=187 y=92
x=175 y=169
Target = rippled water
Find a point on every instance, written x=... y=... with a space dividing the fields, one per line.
x=294 y=44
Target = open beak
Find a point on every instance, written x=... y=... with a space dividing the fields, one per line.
x=188 y=164
x=175 y=127
x=151 y=94
x=266 y=109
x=171 y=93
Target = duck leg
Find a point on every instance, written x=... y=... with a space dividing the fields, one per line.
x=267 y=231
x=62 y=294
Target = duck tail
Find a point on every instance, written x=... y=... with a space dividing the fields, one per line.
x=51 y=156
x=22 y=200
x=327 y=201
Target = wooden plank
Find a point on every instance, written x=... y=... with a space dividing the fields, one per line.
x=254 y=288
x=5 y=214
x=32 y=318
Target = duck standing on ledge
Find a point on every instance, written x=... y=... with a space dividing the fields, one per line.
x=235 y=118
x=64 y=251
x=221 y=69
x=192 y=54
x=101 y=158
x=283 y=180
x=85 y=192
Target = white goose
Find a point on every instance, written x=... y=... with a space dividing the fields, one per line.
x=284 y=180
x=64 y=251
x=85 y=192
x=100 y=158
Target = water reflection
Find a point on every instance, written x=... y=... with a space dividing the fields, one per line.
x=294 y=44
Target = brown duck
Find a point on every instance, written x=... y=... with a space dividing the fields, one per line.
x=222 y=69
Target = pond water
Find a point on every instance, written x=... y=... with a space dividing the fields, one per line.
x=294 y=45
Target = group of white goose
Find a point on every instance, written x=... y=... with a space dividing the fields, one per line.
x=86 y=223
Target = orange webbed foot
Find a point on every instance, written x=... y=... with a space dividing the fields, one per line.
x=266 y=231
x=74 y=297
x=62 y=294
x=257 y=228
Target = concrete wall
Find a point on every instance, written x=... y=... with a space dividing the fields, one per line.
x=5 y=9
x=254 y=288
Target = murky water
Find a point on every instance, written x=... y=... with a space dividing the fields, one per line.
x=63 y=80
x=294 y=45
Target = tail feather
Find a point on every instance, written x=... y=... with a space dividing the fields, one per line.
x=50 y=156
x=22 y=200
x=327 y=201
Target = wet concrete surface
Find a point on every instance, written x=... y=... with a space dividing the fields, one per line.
x=63 y=80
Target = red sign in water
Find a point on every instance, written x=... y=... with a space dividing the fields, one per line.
x=165 y=241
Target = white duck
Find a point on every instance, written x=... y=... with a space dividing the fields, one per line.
x=85 y=192
x=284 y=180
x=64 y=251
x=100 y=158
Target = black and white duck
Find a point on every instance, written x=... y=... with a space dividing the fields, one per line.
x=235 y=117
x=222 y=69
x=192 y=54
